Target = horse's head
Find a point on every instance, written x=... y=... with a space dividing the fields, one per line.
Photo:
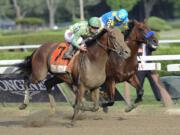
x=116 y=42
x=141 y=33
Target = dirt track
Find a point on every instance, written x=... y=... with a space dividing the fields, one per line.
x=142 y=121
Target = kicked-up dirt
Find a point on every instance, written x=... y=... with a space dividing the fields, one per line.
x=141 y=121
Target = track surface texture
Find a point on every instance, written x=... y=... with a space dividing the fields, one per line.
x=144 y=120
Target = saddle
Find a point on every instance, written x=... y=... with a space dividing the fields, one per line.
x=56 y=61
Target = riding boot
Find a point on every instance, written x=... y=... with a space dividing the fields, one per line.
x=68 y=54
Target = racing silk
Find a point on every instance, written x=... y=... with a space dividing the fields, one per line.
x=80 y=29
x=109 y=20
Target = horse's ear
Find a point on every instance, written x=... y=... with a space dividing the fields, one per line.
x=130 y=21
x=145 y=21
x=135 y=22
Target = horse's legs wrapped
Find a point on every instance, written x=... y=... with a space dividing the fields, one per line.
x=26 y=95
x=79 y=102
x=95 y=98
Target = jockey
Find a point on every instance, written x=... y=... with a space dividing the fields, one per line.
x=115 y=18
x=77 y=32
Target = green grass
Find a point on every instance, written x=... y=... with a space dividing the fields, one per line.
x=24 y=32
x=5 y=55
x=148 y=94
x=170 y=34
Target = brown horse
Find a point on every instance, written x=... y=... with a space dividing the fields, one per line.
x=88 y=70
x=119 y=70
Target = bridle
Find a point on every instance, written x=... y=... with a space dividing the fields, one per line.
x=115 y=48
x=146 y=37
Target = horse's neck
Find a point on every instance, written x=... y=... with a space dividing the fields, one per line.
x=91 y=66
x=133 y=45
x=97 y=54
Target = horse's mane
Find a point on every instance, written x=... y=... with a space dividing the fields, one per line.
x=127 y=33
x=90 y=41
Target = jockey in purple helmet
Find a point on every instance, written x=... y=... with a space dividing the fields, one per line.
x=115 y=18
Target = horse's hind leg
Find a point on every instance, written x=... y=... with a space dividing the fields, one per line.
x=49 y=84
x=26 y=95
x=134 y=81
x=127 y=99
x=110 y=88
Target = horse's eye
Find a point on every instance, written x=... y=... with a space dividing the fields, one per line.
x=141 y=30
x=113 y=37
x=154 y=41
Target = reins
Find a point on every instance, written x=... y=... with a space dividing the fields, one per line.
x=106 y=48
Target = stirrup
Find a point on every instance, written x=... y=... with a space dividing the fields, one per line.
x=67 y=57
x=69 y=75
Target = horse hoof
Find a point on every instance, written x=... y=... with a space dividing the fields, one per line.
x=137 y=100
x=72 y=124
x=105 y=109
x=129 y=108
x=95 y=109
x=22 y=106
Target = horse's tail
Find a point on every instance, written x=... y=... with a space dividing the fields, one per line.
x=25 y=68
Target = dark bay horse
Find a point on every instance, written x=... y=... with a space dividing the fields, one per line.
x=88 y=70
x=118 y=70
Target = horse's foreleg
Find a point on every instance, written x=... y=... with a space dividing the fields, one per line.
x=95 y=98
x=79 y=102
x=127 y=99
x=127 y=94
x=26 y=95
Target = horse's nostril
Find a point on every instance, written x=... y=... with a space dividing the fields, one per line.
x=126 y=52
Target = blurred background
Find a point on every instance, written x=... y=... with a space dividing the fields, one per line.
x=20 y=16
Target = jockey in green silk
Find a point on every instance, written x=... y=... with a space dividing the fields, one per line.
x=79 y=31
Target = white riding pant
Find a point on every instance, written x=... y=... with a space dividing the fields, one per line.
x=68 y=36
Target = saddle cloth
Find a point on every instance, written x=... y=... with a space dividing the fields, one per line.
x=56 y=61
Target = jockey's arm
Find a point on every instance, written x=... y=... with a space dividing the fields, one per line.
x=75 y=40
x=109 y=23
x=125 y=24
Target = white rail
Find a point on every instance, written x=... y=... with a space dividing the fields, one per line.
x=159 y=58
x=37 y=46
x=19 y=47
x=10 y=62
x=141 y=58
x=142 y=66
x=169 y=41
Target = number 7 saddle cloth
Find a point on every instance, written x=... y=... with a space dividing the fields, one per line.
x=56 y=62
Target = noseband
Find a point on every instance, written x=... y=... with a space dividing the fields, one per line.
x=146 y=37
